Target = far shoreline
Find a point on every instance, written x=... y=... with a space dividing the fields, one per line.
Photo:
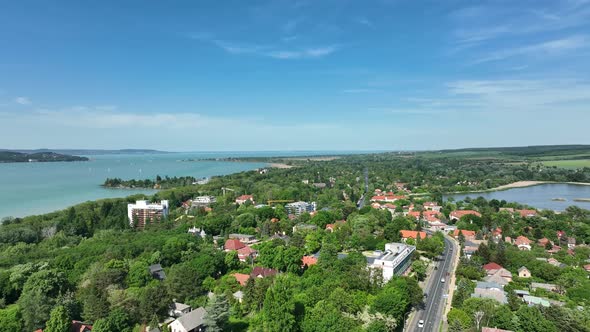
x=517 y=184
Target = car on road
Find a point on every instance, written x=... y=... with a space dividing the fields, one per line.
x=442 y=280
x=421 y=323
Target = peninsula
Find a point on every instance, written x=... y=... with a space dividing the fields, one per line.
x=21 y=157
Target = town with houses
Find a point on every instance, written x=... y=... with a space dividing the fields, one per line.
x=496 y=283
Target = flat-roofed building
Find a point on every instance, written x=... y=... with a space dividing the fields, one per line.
x=395 y=260
x=298 y=208
x=203 y=201
x=142 y=211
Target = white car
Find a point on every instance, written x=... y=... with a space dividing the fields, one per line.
x=421 y=323
x=442 y=280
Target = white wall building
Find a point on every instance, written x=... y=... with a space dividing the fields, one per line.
x=141 y=211
x=203 y=201
x=298 y=208
x=394 y=261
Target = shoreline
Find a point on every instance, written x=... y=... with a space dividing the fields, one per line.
x=517 y=184
x=280 y=165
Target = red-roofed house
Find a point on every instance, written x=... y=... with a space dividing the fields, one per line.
x=405 y=234
x=527 y=213
x=241 y=278
x=554 y=249
x=468 y=235
x=457 y=214
x=336 y=224
x=497 y=234
x=262 y=272
x=415 y=214
x=490 y=267
x=245 y=253
x=309 y=261
x=233 y=244
x=587 y=267
x=244 y=198
x=389 y=207
x=543 y=242
x=388 y=197
x=78 y=326
x=523 y=243
x=430 y=216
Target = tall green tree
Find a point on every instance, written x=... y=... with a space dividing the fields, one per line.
x=279 y=308
x=217 y=313
x=39 y=295
x=59 y=321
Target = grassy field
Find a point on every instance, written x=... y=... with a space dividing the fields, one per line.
x=576 y=163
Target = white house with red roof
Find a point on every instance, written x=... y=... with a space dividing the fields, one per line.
x=388 y=197
x=523 y=243
x=457 y=214
x=244 y=251
x=468 y=235
x=496 y=273
x=406 y=234
x=527 y=213
x=244 y=198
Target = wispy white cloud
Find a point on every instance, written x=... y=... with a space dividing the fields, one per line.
x=288 y=39
x=275 y=51
x=478 y=24
x=362 y=90
x=525 y=95
x=495 y=97
x=22 y=101
x=365 y=21
x=308 y=53
x=552 y=47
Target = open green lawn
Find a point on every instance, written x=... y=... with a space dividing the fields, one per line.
x=578 y=163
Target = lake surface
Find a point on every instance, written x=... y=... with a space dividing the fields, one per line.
x=539 y=196
x=35 y=188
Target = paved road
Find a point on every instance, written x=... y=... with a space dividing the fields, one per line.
x=432 y=312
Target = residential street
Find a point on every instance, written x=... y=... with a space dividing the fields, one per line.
x=436 y=292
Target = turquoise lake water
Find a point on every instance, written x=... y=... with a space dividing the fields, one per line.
x=34 y=188
x=539 y=196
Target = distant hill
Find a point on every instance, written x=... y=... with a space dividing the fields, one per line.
x=19 y=157
x=89 y=152
x=535 y=150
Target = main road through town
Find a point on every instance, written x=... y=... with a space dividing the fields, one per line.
x=436 y=292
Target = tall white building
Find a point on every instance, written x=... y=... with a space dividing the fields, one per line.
x=142 y=211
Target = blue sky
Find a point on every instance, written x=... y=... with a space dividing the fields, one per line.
x=293 y=74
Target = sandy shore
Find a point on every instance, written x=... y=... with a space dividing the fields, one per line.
x=521 y=184
x=518 y=184
x=279 y=165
